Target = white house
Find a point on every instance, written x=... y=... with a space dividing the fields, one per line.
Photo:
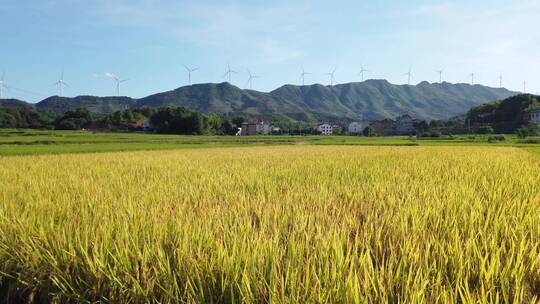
x=325 y=129
x=356 y=127
x=263 y=128
x=535 y=117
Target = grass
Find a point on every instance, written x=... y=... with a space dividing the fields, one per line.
x=280 y=224
x=35 y=142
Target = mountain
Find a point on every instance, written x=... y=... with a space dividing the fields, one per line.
x=225 y=98
x=97 y=105
x=15 y=103
x=372 y=99
x=507 y=115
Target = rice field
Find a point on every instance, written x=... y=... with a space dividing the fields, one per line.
x=284 y=224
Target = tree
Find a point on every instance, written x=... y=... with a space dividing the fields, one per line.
x=228 y=128
x=22 y=117
x=420 y=126
x=238 y=121
x=369 y=131
x=179 y=121
x=525 y=131
x=485 y=130
x=73 y=119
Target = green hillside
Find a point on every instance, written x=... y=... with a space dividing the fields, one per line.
x=14 y=103
x=372 y=99
x=507 y=115
x=97 y=105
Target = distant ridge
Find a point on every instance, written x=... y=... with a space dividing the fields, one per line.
x=371 y=99
x=14 y=103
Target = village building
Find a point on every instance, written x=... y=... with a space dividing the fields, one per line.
x=535 y=117
x=383 y=127
x=325 y=129
x=248 y=129
x=255 y=127
x=356 y=127
x=404 y=125
x=263 y=128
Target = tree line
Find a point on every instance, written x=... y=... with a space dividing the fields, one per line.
x=501 y=117
x=166 y=120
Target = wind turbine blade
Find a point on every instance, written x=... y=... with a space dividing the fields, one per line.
x=194 y=69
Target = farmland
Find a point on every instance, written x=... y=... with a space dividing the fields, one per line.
x=271 y=222
x=36 y=142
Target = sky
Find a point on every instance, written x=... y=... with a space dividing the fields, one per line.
x=148 y=42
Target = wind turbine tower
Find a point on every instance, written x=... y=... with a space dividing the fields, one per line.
x=409 y=76
x=229 y=72
x=472 y=78
x=524 y=87
x=303 y=75
x=61 y=84
x=440 y=74
x=118 y=82
x=189 y=72
x=362 y=71
x=500 y=81
x=250 y=79
x=2 y=85
x=331 y=75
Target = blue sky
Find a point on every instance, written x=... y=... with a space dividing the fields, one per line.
x=149 y=41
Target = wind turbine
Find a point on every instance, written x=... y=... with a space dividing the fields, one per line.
x=61 y=83
x=2 y=85
x=117 y=80
x=440 y=74
x=472 y=78
x=303 y=75
x=500 y=81
x=250 y=79
x=229 y=72
x=331 y=74
x=189 y=72
x=362 y=71
x=409 y=76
